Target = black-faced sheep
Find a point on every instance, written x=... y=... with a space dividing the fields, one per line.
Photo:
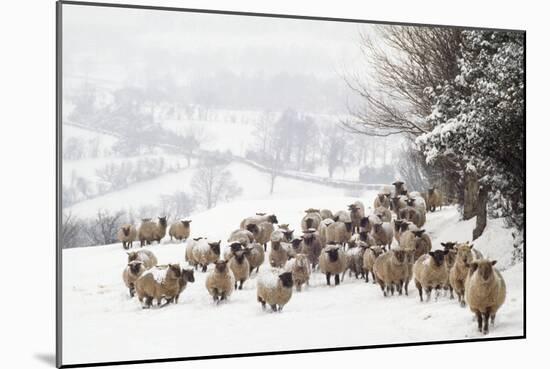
x=399 y=188
x=278 y=255
x=391 y=271
x=205 y=253
x=127 y=234
x=430 y=272
x=257 y=219
x=381 y=200
x=485 y=292
x=312 y=219
x=131 y=273
x=333 y=261
x=150 y=231
x=300 y=269
x=240 y=267
x=180 y=230
x=147 y=257
x=369 y=257
x=382 y=234
x=274 y=289
x=220 y=283
x=434 y=199
x=356 y=212
x=255 y=256
x=157 y=283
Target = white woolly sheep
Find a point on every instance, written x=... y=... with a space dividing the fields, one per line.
x=434 y=199
x=257 y=219
x=274 y=289
x=382 y=234
x=157 y=283
x=220 y=282
x=369 y=257
x=147 y=257
x=278 y=255
x=240 y=267
x=131 y=273
x=381 y=200
x=333 y=261
x=255 y=256
x=430 y=272
x=465 y=254
x=127 y=234
x=485 y=292
x=180 y=230
x=150 y=231
x=300 y=269
x=205 y=253
x=312 y=219
x=391 y=271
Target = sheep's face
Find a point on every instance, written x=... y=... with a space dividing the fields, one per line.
x=215 y=247
x=381 y=196
x=135 y=267
x=126 y=230
x=332 y=254
x=188 y=275
x=397 y=224
x=484 y=269
x=288 y=234
x=286 y=279
x=235 y=246
x=404 y=226
x=221 y=266
x=464 y=253
x=353 y=208
x=252 y=228
x=363 y=236
x=395 y=201
x=132 y=255
x=309 y=223
x=378 y=228
x=297 y=242
x=398 y=184
x=348 y=226
x=162 y=221
x=240 y=255
x=376 y=251
x=431 y=190
x=438 y=257
x=364 y=222
x=448 y=245
x=174 y=271
x=419 y=233
x=410 y=202
x=186 y=223
x=399 y=256
x=272 y=219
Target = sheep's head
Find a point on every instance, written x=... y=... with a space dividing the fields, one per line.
x=484 y=268
x=186 y=222
x=272 y=219
x=404 y=226
x=395 y=201
x=241 y=255
x=381 y=196
x=188 y=275
x=400 y=256
x=296 y=242
x=448 y=245
x=410 y=202
x=376 y=251
x=419 y=233
x=288 y=234
x=284 y=226
x=364 y=222
x=332 y=254
x=174 y=271
x=431 y=190
x=378 y=227
x=126 y=230
x=286 y=279
x=215 y=247
x=135 y=266
x=438 y=256
x=353 y=207
x=464 y=253
x=236 y=246
x=398 y=184
x=397 y=224
x=309 y=223
x=162 y=221
x=221 y=266
x=363 y=236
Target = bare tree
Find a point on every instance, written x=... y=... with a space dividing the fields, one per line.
x=71 y=231
x=177 y=205
x=213 y=182
x=103 y=229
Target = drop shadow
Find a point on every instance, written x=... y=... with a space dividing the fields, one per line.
x=46 y=358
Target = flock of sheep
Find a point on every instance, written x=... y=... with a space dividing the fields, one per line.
x=333 y=243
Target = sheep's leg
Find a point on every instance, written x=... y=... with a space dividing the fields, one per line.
x=257 y=270
x=337 y=279
x=451 y=292
x=273 y=307
x=428 y=293
x=367 y=277
x=235 y=284
x=280 y=308
x=148 y=302
x=215 y=295
x=328 y=278
x=392 y=288
x=204 y=268
x=493 y=314
x=419 y=287
x=486 y=322
x=383 y=287
x=373 y=277
x=265 y=246
x=132 y=291
x=479 y=319
x=241 y=285
x=461 y=298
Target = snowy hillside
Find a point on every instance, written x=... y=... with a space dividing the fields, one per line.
x=102 y=323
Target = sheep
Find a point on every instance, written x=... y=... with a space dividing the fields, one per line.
x=259 y=218
x=127 y=234
x=283 y=233
x=255 y=256
x=147 y=257
x=400 y=188
x=465 y=254
x=397 y=203
x=274 y=289
x=312 y=247
x=450 y=259
x=381 y=200
x=150 y=231
x=205 y=253
x=300 y=269
x=220 y=282
x=278 y=255
x=180 y=230
x=240 y=267
x=412 y=214
x=131 y=273
x=264 y=233
x=312 y=219
x=242 y=236
x=423 y=243
x=369 y=257
x=430 y=272
x=382 y=234
x=434 y=199
x=293 y=248
x=157 y=283
x=356 y=212
x=338 y=232
x=485 y=292
x=189 y=258
x=232 y=249
x=383 y=214
x=278 y=236
x=326 y=214
x=391 y=271
x=333 y=260
x=187 y=276
x=354 y=256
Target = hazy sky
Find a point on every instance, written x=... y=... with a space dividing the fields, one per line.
x=121 y=44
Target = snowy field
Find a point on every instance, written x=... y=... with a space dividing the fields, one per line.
x=102 y=323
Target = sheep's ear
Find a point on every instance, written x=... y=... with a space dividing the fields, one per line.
x=431 y=253
x=471 y=246
x=493 y=262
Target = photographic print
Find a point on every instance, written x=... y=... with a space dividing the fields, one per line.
x=235 y=184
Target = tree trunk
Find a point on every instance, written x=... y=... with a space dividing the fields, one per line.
x=471 y=190
x=481 y=220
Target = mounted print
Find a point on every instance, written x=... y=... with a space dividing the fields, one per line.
x=236 y=184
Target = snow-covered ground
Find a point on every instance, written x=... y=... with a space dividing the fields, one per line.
x=102 y=323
